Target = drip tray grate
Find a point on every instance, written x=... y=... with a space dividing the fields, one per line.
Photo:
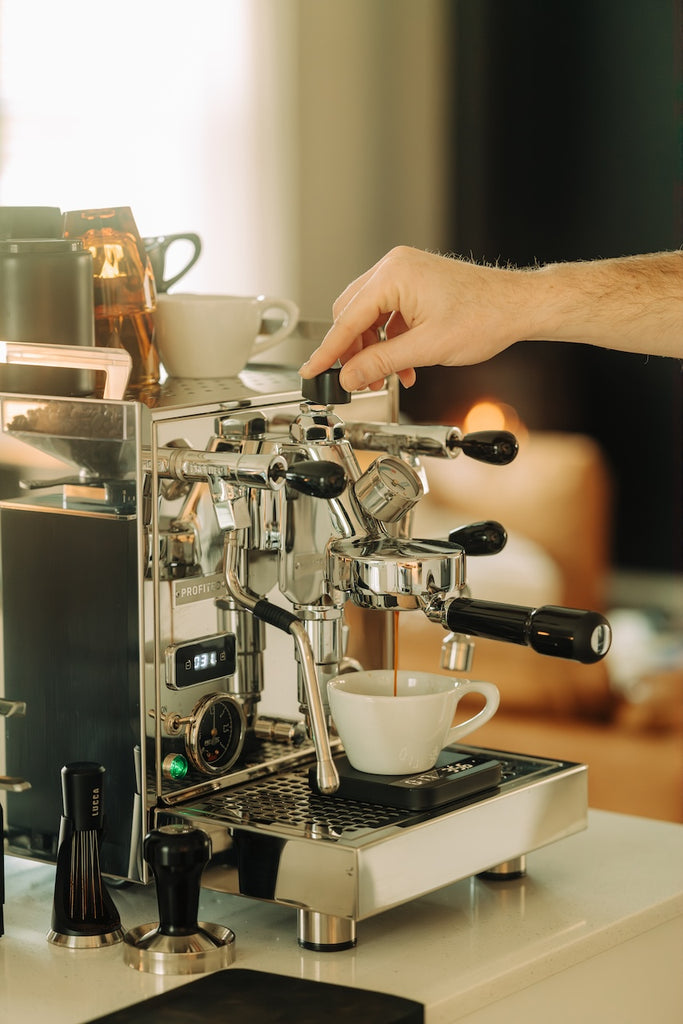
x=286 y=799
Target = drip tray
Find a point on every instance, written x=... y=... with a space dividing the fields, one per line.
x=275 y=839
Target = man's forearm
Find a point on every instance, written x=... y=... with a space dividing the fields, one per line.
x=634 y=304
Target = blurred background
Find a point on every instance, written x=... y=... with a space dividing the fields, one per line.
x=301 y=139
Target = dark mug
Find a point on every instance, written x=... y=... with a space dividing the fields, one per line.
x=158 y=247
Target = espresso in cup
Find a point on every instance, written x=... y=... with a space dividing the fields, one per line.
x=216 y=335
x=402 y=734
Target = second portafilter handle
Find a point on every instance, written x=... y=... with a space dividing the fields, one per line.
x=572 y=633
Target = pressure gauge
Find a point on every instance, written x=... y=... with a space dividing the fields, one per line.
x=215 y=733
x=388 y=489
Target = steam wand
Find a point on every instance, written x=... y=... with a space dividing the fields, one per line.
x=327 y=777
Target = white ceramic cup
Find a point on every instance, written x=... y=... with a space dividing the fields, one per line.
x=217 y=335
x=385 y=734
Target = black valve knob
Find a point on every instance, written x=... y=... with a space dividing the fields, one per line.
x=177 y=855
x=559 y=632
x=497 y=447
x=485 y=538
x=325 y=389
x=316 y=478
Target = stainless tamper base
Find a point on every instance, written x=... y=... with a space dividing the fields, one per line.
x=210 y=948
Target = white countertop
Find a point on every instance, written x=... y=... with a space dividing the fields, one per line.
x=596 y=925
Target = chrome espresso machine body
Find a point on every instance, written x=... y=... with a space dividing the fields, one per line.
x=195 y=556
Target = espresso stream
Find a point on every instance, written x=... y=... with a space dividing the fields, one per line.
x=395 y=653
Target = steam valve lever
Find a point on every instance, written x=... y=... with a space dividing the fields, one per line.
x=497 y=447
x=485 y=538
x=317 y=479
x=179 y=943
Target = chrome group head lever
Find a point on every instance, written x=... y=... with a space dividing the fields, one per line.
x=377 y=571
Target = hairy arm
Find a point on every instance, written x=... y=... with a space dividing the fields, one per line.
x=634 y=304
x=440 y=310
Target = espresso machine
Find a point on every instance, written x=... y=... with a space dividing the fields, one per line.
x=185 y=558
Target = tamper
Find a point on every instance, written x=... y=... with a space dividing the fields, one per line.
x=178 y=943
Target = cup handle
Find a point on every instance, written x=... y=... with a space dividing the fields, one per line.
x=492 y=694
x=160 y=245
x=290 y=312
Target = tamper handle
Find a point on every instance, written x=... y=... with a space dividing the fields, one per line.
x=560 y=632
x=177 y=855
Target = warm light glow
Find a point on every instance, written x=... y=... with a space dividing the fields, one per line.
x=489 y=414
x=485 y=416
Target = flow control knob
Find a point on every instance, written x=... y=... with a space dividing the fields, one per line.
x=325 y=389
x=559 y=632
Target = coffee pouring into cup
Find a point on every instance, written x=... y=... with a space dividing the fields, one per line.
x=403 y=733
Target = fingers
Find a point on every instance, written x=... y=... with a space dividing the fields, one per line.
x=362 y=307
x=374 y=300
x=348 y=335
x=401 y=354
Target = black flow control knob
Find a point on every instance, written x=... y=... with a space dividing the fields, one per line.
x=559 y=632
x=177 y=855
x=325 y=389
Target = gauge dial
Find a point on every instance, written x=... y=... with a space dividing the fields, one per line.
x=215 y=737
x=388 y=489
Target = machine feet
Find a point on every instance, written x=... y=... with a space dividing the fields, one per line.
x=507 y=869
x=323 y=933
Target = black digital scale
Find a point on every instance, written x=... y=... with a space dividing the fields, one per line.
x=456 y=775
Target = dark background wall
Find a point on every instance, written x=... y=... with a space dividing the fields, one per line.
x=565 y=130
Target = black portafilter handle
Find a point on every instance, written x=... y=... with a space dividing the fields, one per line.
x=497 y=447
x=483 y=538
x=316 y=478
x=559 y=632
x=177 y=855
x=82 y=794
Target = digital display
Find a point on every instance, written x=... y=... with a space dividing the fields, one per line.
x=199 y=661
x=205 y=659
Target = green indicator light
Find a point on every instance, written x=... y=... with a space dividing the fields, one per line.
x=176 y=766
